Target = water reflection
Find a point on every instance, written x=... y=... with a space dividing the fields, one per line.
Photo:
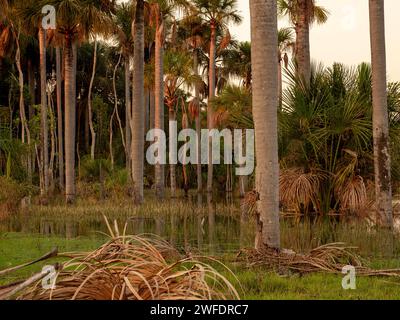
x=201 y=226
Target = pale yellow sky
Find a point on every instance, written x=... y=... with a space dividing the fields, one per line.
x=345 y=37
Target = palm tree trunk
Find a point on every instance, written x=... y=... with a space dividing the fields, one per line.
x=159 y=102
x=137 y=122
x=211 y=95
x=198 y=126
x=302 y=54
x=70 y=115
x=43 y=113
x=128 y=113
x=383 y=186
x=152 y=107
x=265 y=102
x=91 y=126
x=172 y=167
x=60 y=120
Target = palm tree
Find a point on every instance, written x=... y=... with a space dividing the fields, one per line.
x=383 y=187
x=137 y=122
x=179 y=72
x=191 y=31
x=217 y=13
x=264 y=38
x=302 y=14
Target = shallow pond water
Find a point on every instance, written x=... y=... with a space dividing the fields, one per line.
x=197 y=226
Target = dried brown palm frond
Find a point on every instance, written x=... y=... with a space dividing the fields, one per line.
x=250 y=202
x=353 y=196
x=299 y=190
x=329 y=258
x=134 y=268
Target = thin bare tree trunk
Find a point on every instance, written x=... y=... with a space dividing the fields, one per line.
x=90 y=109
x=137 y=122
x=43 y=113
x=159 y=102
x=265 y=102
x=383 y=185
x=211 y=95
x=25 y=126
x=60 y=119
x=128 y=113
x=115 y=113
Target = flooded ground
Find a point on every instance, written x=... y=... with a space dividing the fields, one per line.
x=196 y=226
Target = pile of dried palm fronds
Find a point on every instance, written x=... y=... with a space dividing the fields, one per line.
x=329 y=258
x=132 y=268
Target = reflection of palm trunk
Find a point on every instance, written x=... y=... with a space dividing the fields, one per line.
x=172 y=167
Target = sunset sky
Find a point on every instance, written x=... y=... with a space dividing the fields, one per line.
x=345 y=37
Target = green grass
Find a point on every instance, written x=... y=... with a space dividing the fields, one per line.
x=257 y=283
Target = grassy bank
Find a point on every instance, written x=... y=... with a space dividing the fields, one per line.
x=257 y=283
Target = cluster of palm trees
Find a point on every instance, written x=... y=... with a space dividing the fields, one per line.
x=179 y=59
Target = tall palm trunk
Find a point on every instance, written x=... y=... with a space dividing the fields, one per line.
x=128 y=113
x=265 y=102
x=198 y=125
x=211 y=95
x=90 y=109
x=137 y=122
x=302 y=54
x=60 y=120
x=70 y=115
x=152 y=108
x=43 y=113
x=159 y=101
x=383 y=187
x=172 y=167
